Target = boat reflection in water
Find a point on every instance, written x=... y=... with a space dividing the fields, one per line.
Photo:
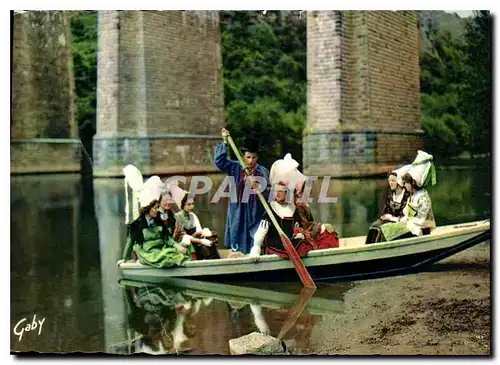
x=199 y=318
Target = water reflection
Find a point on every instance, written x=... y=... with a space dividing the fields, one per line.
x=461 y=195
x=67 y=234
x=187 y=316
x=109 y=214
x=55 y=271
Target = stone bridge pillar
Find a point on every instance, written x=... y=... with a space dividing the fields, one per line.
x=159 y=92
x=363 y=92
x=43 y=128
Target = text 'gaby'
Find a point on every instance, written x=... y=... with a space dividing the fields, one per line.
x=24 y=326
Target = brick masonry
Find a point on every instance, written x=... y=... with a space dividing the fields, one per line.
x=35 y=156
x=159 y=91
x=43 y=128
x=363 y=92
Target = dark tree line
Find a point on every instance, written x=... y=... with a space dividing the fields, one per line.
x=456 y=93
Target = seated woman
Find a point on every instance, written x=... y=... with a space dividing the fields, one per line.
x=418 y=218
x=397 y=198
x=320 y=235
x=149 y=238
x=267 y=237
x=174 y=227
x=203 y=240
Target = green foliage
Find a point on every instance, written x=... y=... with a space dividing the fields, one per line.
x=265 y=84
x=477 y=97
x=445 y=134
x=84 y=46
x=456 y=89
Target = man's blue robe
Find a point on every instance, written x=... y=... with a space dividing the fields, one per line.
x=243 y=218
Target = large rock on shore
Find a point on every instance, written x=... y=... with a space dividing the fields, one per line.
x=256 y=343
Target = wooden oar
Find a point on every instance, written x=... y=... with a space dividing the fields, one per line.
x=292 y=253
x=305 y=296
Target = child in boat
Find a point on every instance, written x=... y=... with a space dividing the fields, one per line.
x=175 y=228
x=418 y=218
x=202 y=239
x=148 y=236
x=397 y=198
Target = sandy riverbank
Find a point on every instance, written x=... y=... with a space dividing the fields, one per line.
x=443 y=311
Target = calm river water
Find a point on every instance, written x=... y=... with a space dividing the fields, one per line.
x=67 y=234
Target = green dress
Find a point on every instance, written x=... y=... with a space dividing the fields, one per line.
x=418 y=215
x=153 y=245
x=170 y=219
x=391 y=230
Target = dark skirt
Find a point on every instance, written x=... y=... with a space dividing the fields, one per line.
x=375 y=233
x=208 y=252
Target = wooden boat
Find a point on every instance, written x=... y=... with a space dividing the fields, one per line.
x=352 y=260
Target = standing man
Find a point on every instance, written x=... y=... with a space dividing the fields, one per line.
x=244 y=215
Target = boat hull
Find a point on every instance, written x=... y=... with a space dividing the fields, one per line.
x=366 y=261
